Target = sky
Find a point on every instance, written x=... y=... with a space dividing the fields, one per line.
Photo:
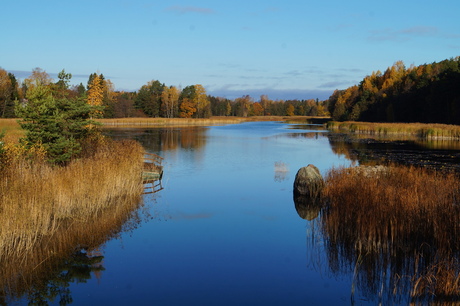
x=291 y=49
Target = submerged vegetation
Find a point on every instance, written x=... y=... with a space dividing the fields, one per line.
x=397 y=229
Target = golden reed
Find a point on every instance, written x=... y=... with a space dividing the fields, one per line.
x=396 y=226
x=37 y=198
x=423 y=130
x=48 y=212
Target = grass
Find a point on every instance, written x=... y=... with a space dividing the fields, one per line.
x=49 y=212
x=38 y=200
x=429 y=131
x=402 y=223
x=12 y=130
x=33 y=270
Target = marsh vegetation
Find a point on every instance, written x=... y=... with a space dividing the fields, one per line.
x=396 y=230
x=49 y=211
x=422 y=130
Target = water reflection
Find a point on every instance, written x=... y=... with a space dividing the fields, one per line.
x=45 y=273
x=281 y=171
x=410 y=258
x=437 y=154
x=307 y=208
x=78 y=268
x=164 y=139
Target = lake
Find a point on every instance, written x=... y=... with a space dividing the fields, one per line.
x=224 y=228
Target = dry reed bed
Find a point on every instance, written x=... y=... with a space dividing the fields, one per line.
x=216 y=120
x=145 y=122
x=22 y=275
x=430 y=131
x=37 y=199
x=12 y=129
x=401 y=221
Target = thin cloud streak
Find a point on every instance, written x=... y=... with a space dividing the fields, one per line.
x=190 y=9
x=403 y=35
x=54 y=75
x=274 y=94
x=334 y=84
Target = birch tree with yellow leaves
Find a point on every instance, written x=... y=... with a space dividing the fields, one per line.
x=202 y=102
x=170 y=101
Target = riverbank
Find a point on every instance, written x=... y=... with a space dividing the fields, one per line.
x=422 y=130
x=38 y=199
x=13 y=131
x=154 y=122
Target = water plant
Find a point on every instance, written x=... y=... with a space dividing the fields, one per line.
x=397 y=228
x=424 y=130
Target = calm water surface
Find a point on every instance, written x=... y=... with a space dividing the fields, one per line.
x=224 y=229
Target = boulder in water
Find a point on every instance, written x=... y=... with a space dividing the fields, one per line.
x=308 y=182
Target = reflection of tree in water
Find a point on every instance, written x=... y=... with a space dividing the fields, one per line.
x=70 y=256
x=75 y=269
x=435 y=154
x=164 y=139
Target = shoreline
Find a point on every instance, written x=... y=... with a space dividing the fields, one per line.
x=430 y=131
x=157 y=122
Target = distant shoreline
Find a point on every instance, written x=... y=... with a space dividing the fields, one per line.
x=422 y=130
x=152 y=122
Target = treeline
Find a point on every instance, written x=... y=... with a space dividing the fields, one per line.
x=154 y=99
x=427 y=93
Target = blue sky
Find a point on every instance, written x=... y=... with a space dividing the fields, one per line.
x=286 y=49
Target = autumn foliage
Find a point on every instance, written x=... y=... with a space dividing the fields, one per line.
x=426 y=93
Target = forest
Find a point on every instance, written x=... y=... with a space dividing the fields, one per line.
x=428 y=93
x=154 y=99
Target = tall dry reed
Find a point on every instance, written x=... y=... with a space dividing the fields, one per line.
x=11 y=129
x=424 y=130
x=25 y=275
x=215 y=120
x=36 y=198
x=396 y=227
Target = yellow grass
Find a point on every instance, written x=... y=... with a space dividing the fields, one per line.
x=37 y=199
x=403 y=221
x=424 y=130
x=47 y=213
x=12 y=129
x=155 y=122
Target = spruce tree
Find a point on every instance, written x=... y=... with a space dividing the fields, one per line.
x=57 y=124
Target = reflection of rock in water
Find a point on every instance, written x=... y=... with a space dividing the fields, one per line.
x=306 y=207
